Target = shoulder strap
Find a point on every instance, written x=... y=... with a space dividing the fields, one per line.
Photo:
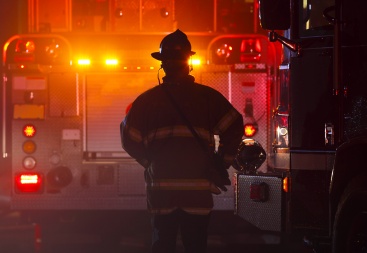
x=220 y=175
x=187 y=122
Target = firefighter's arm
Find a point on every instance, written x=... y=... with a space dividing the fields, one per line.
x=230 y=136
x=132 y=140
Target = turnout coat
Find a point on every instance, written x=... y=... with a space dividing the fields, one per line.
x=176 y=166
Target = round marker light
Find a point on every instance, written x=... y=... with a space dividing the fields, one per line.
x=282 y=131
x=55 y=158
x=29 y=147
x=29 y=163
x=250 y=130
x=29 y=131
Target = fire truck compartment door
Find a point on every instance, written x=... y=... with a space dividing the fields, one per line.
x=109 y=96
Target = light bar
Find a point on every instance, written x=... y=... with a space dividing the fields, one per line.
x=84 y=62
x=111 y=61
x=196 y=62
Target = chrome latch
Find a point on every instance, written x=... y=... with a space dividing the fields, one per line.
x=329 y=134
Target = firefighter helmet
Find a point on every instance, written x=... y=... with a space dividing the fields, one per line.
x=175 y=46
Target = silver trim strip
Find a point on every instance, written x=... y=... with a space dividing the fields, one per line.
x=84 y=102
x=282 y=67
x=312 y=161
x=5 y=154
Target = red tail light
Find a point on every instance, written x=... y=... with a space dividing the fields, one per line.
x=37 y=238
x=28 y=182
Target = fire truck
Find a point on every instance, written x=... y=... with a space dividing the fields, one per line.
x=315 y=185
x=71 y=75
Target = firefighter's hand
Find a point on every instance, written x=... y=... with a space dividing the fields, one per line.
x=216 y=190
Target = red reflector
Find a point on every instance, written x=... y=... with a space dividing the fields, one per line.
x=23 y=58
x=37 y=238
x=259 y=192
x=29 y=131
x=28 y=182
x=250 y=130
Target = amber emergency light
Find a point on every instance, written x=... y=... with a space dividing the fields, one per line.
x=250 y=130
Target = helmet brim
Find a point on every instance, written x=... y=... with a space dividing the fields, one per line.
x=160 y=57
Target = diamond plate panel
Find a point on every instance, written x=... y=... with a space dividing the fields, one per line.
x=64 y=95
x=264 y=215
x=225 y=200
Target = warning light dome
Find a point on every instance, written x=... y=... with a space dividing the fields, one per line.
x=250 y=130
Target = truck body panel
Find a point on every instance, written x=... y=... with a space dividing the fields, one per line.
x=318 y=126
x=76 y=109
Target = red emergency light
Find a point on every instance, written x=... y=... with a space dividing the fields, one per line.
x=224 y=51
x=250 y=50
x=28 y=182
x=25 y=46
x=24 y=50
x=29 y=131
